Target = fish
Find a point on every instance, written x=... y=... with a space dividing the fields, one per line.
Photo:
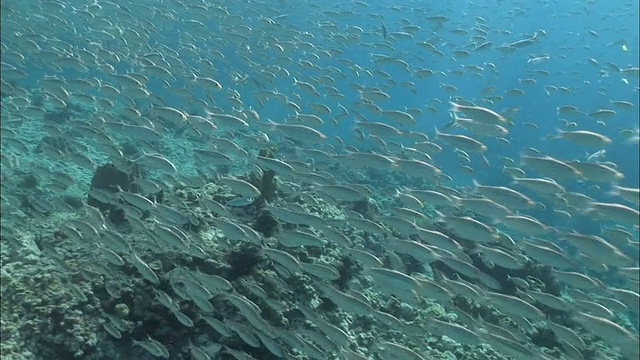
x=169 y=113
x=285 y=259
x=241 y=187
x=378 y=128
x=298 y=132
x=289 y=238
x=584 y=138
x=629 y=194
x=418 y=251
x=478 y=113
x=321 y=271
x=400 y=117
x=513 y=305
x=462 y=142
x=340 y=192
x=504 y=196
x=157 y=162
x=602 y=114
x=500 y=257
x=227 y=121
x=551 y=167
x=598 y=172
x=479 y=128
x=609 y=331
x=144 y=269
x=483 y=206
x=387 y=349
x=212 y=157
x=546 y=255
x=230 y=229
x=613 y=212
x=279 y=166
x=154 y=347
x=525 y=225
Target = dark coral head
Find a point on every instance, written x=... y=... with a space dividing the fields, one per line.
x=242 y=261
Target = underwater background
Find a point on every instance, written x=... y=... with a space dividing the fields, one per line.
x=319 y=180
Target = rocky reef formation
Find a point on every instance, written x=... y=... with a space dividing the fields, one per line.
x=110 y=179
x=265 y=181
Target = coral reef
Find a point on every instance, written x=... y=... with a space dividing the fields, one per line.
x=347 y=269
x=242 y=261
x=59 y=116
x=27 y=181
x=44 y=314
x=55 y=142
x=266 y=183
x=109 y=178
x=265 y=223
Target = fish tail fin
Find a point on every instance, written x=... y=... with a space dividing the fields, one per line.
x=440 y=217
x=614 y=192
x=438 y=133
x=456 y=201
x=452 y=122
x=485 y=161
x=476 y=185
x=556 y=136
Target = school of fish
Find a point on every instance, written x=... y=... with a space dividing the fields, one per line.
x=389 y=240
